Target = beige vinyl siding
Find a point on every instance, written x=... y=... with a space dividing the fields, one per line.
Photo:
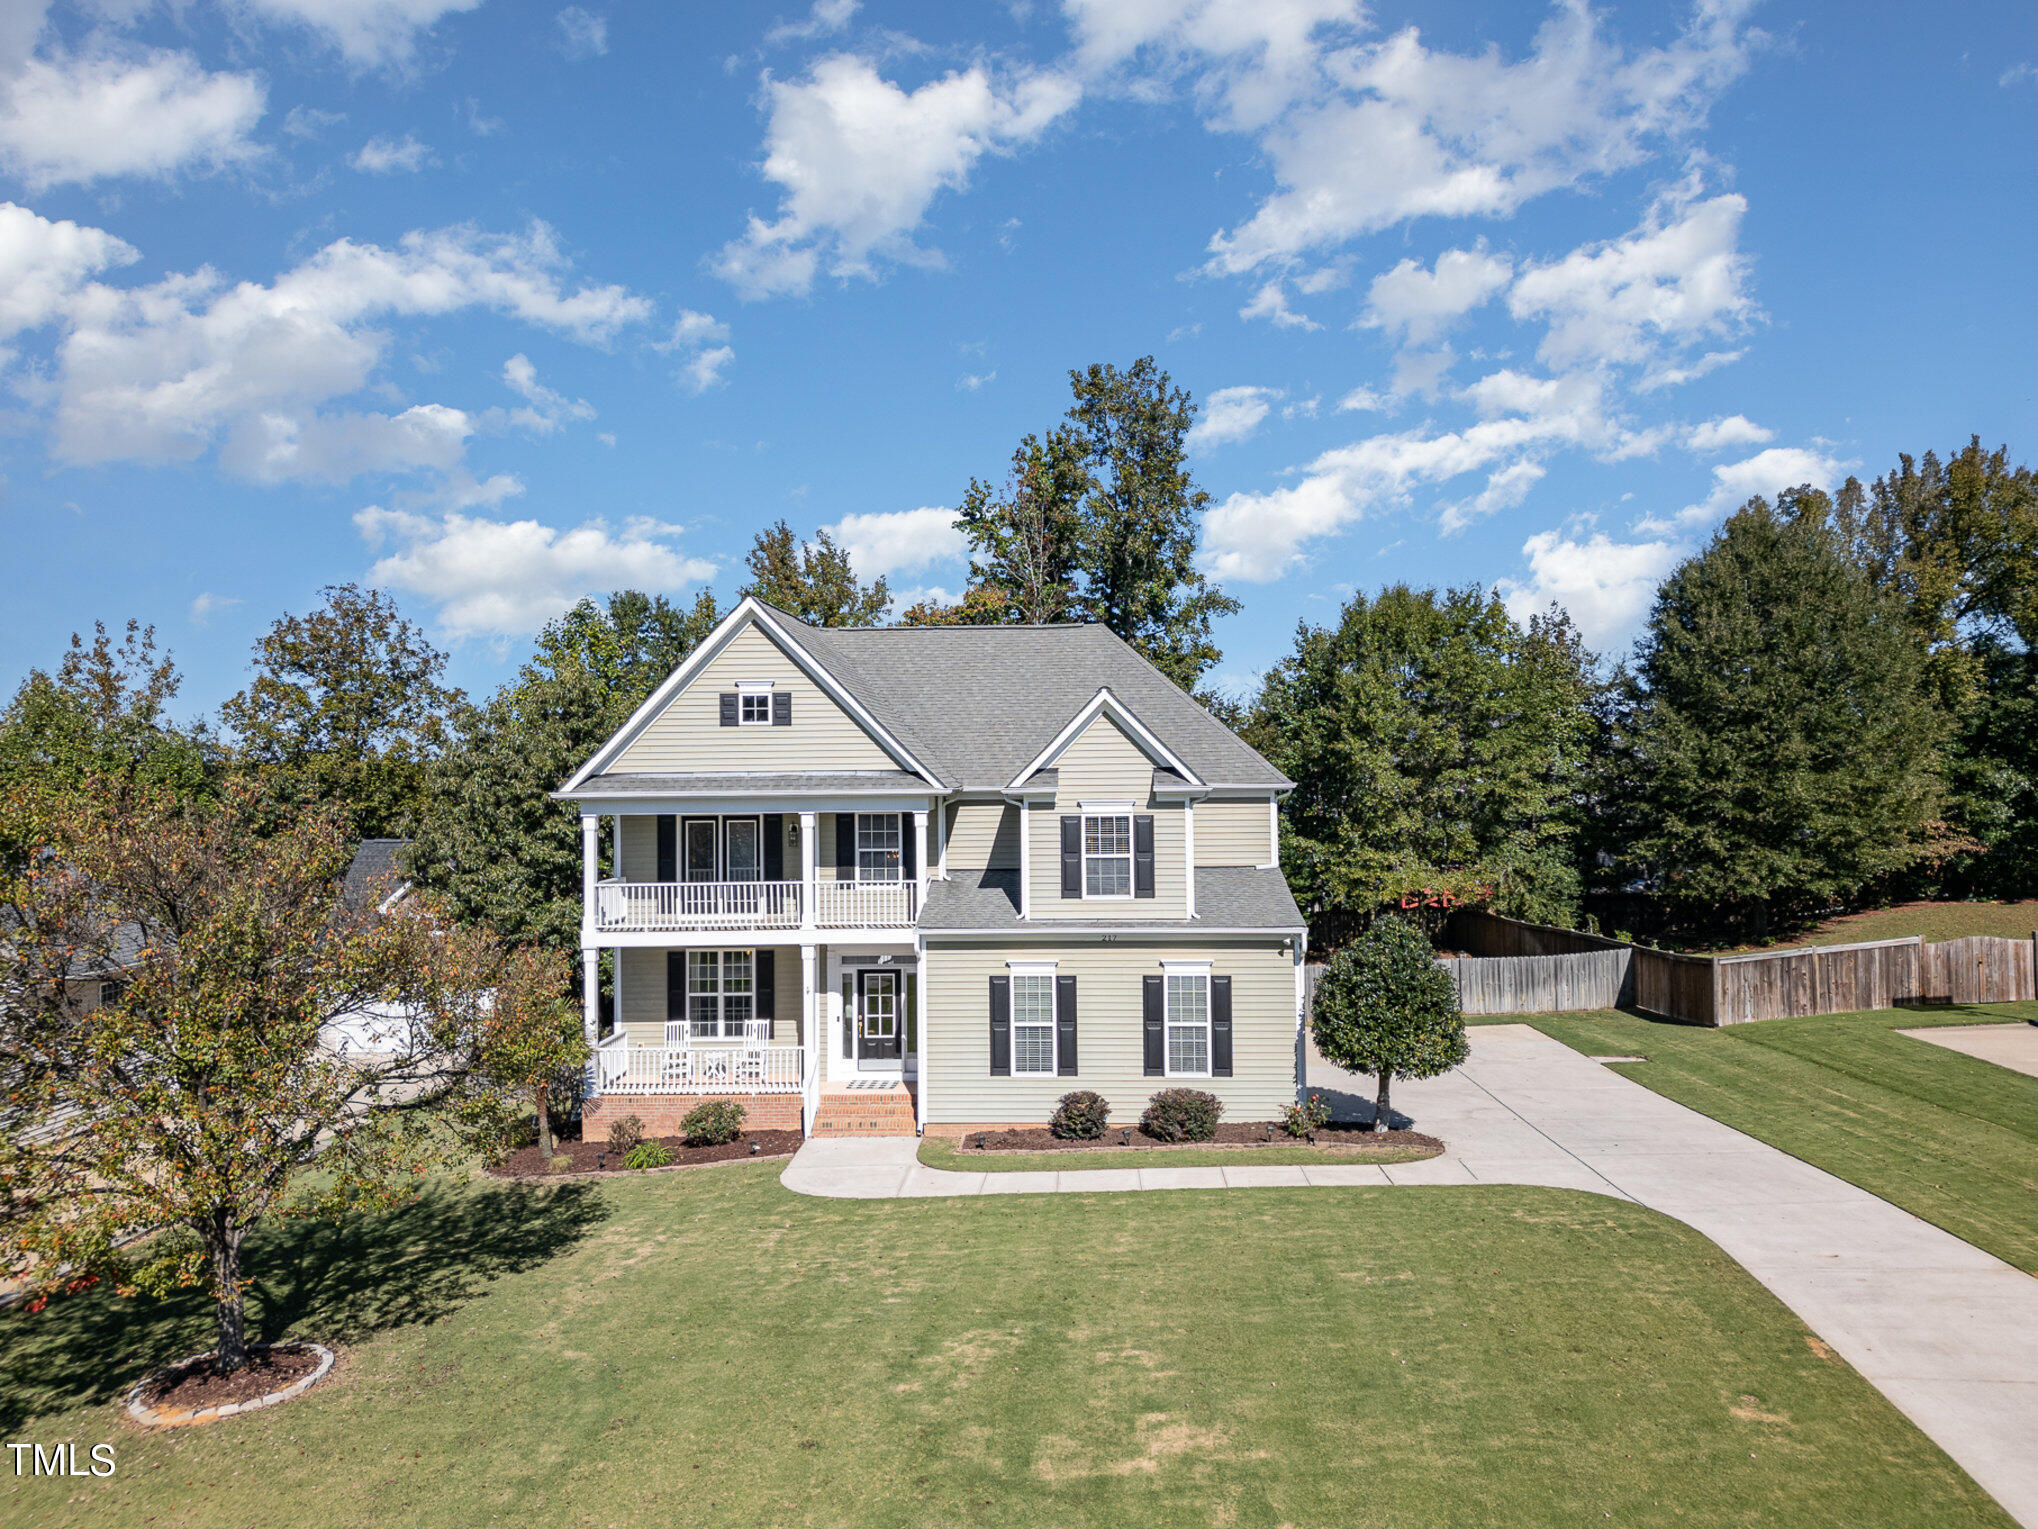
x=1234 y=833
x=1170 y=885
x=1108 y=1028
x=1102 y=761
x=688 y=734
x=643 y=975
x=983 y=836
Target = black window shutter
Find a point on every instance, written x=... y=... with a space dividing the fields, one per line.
x=845 y=846
x=1001 y=1027
x=908 y=868
x=1071 y=857
x=675 y=984
x=774 y=846
x=765 y=1002
x=1065 y=1023
x=1142 y=855
x=1220 y=1027
x=1154 y=1055
x=728 y=708
x=668 y=847
x=781 y=708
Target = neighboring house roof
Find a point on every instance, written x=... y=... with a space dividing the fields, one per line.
x=763 y=782
x=978 y=703
x=377 y=871
x=1227 y=897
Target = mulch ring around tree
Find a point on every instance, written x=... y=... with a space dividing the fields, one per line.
x=594 y=1157
x=193 y=1391
x=1358 y=1140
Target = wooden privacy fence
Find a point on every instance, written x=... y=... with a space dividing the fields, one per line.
x=1728 y=990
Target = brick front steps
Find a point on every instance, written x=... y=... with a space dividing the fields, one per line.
x=886 y=1110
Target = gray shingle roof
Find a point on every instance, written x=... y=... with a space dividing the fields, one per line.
x=376 y=870
x=1227 y=897
x=771 y=782
x=977 y=703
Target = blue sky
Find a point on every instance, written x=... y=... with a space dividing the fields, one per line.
x=493 y=304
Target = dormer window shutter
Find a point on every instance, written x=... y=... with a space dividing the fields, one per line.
x=728 y=708
x=781 y=708
x=1142 y=856
x=1072 y=857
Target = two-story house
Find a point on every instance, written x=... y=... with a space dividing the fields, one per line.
x=932 y=878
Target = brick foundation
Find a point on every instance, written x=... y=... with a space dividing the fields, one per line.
x=961 y=1128
x=661 y=1113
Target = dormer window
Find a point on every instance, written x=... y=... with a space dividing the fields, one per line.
x=753 y=703
x=1107 y=854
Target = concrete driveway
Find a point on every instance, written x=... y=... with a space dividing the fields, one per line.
x=2011 y=1046
x=1947 y=1332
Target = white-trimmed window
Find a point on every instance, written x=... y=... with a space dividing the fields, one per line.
x=1107 y=854
x=721 y=992
x=1188 y=1020
x=877 y=846
x=753 y=703
x=1033 y=1019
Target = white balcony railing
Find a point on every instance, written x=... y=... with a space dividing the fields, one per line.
x=621 y=1068
x=650 y=906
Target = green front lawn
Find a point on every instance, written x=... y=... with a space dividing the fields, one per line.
x=707 y=1348
x=940 y=1152
x=1949 y=1138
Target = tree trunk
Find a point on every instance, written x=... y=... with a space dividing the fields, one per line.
x=233 y=1309
x=1382 y=1110
x=545 y=1124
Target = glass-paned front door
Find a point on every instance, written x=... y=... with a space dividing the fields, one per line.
x=877 y=1023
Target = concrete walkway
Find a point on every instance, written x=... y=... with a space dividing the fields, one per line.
x=2011 y=1046
x=1947 y=1332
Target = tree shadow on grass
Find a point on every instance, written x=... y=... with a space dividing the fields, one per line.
x=341 y=1281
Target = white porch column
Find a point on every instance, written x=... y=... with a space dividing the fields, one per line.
x=941 y=840
x=810 y=1034
x=919 y=862
x=590 y=857
x=590 y=993
x=920 y=1029
x=590 y=953
x=1025 y=857
x=809 y=848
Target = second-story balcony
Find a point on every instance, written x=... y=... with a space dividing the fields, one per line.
x=651 y=906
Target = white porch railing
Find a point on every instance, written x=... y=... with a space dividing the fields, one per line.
x=863 y=904
x=651 y=905
x=703 y=1069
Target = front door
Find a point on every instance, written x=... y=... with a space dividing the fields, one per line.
x=877 y=1018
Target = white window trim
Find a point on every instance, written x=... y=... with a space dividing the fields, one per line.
x=1130 y=857
x=750 y=693
x=1045 y=971
x=721 y=994
x=1196 y=970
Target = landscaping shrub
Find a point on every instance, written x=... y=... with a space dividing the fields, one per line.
x=625 y=1134
x=1181 y=1114
x=1312 y=1114
x=648 y=1154
x=1080 y=1116
x=713 y=1123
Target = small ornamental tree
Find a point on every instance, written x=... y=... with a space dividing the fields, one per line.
x=529 y=1051
x=1384 y=1006
x=167 y=974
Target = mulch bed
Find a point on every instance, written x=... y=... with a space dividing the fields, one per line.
x=197 y=1384
x=595 y=1157
x=1244 y=1135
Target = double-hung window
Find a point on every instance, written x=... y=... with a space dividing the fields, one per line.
x=1033 y=1021
x=1107 y=854
x=753 y=704
x=721 y=993
x=1188 y=1021
x=877 y=846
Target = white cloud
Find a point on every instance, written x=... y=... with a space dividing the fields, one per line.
x=1271 y=303
x=309 y=121
x=2018 y=74
x=1504 y=490
x=68 y=119
x=203 y=606
x=44 y=265
x=1735 y=483
x=1365 y=400
x=1405 y=131
x=276 y=447
x=1678 y=279
x=701 y=342
x=391 y=156
x=1730 y=430
x=1230 y=414
x=1607 y=586
x=366 y=32
x=975 y=382
x=502 y=579
x=1416 y=305
x=900 y=541
x=582 y=34
x=827 y=16
x=860 y=160
x=545 y=410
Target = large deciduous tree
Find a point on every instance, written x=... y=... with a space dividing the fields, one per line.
x=1385 y=1007
x=153 y=1122
x=812 y=580
x=346 y=709
x=1436 y=745
x=1777 y=748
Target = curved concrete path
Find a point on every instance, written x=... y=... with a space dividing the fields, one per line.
x=1945 y=1331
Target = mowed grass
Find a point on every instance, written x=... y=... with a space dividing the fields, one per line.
x=941 y=1152
x=707 y=1348
x=1950 y=1138
x=1935 y=921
